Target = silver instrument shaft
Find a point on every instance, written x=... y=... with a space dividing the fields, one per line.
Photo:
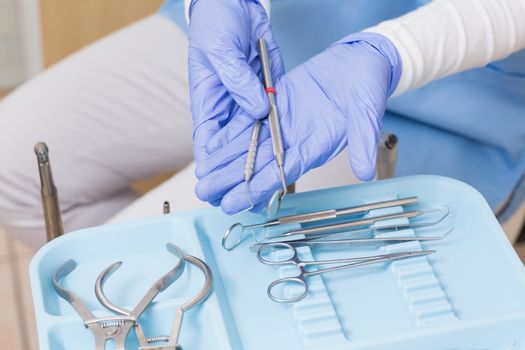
x=354 y=223
x=273 y=116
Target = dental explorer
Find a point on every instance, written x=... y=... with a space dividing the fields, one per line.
x=236 y=231
x=273 y=116
x=49 y=193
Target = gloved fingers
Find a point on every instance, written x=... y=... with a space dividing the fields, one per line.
x=216 y=203
x=201 y=135
x=213 y=186
x=364 y=133
x=245 y=87
x=236 y=133
x=263 y=184
x=209 y=99
x=230 y=152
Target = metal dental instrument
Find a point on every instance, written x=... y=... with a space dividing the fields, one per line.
x=103 y=329
x=234 y=235
x=114 y=328
x=354 y=223
x=355 y=242
x=250 y=160
x=49 y=193
x=166 y=207
x=275 y=128
x=387 y=154
x=353 y=233
x=167 y=342
x=173 y=342
x=275 y=133
x=300 y=279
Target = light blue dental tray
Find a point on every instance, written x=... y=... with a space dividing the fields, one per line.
x=469 y=295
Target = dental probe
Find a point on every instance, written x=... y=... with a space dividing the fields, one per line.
x=49 y=194
x=273 y=116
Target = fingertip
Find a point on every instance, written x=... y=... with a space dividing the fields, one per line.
x=229 y=206
x=200 y=190
x=201 y=170
x=261 y=108
x=216 y=203
x=234 y=202
x=364 y=173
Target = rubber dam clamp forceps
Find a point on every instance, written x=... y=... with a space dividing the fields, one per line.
x=275 y=134
x=300 y=280
x=164 y=342
x=117 y=327
x=235 y=234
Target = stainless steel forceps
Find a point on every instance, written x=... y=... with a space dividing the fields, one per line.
x=267 y=255
x=115 y=328
x=164 y=342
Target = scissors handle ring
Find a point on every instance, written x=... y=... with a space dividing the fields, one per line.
x=288 y=280
x=276 y=245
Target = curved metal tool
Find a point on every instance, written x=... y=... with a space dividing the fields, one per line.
x=118 y=327
x=171 y=342
x=103 y=329
x=159 y=286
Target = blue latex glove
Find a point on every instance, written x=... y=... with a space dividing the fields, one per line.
x=335 y=99
x=224 y=69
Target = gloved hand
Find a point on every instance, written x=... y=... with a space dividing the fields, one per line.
x=223 y=72
x=335 y=99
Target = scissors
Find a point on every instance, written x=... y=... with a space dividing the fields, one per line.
x=267 y=255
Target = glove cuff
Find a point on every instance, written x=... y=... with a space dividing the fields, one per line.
x=385 y=47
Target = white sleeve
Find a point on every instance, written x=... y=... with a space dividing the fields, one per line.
x=450 y=36
x=265 y=3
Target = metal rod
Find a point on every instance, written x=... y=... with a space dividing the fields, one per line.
x=354 y=223
x=49 y=194
x=387 y=154
x=166 y=207
x=273 y=116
